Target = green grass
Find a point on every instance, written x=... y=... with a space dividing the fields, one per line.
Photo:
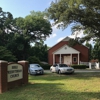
x=51 y=86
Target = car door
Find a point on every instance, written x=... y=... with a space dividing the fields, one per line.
x=54 y=68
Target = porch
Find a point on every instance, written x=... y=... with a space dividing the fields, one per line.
x=68 y=59
x=67 y=55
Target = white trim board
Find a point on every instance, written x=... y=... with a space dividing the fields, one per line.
x=66 y=50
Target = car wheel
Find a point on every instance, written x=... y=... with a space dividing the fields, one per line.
x=30 y=73
x=42 y=72
x=51 y=70
x=59 y=72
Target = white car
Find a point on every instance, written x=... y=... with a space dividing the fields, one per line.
x=61 y=68
x=35 y=69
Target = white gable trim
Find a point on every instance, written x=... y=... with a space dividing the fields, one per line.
x=65 y=39
x=66 y=50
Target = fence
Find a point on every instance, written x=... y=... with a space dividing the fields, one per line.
x=94 y=65
x=84 y=63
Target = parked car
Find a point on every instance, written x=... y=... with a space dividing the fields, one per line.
x=61 y=68
x=35 y=69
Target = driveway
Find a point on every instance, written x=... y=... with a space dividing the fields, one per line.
x=80 y=70
x=87 y=70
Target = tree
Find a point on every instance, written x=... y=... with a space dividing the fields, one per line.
x=90 y=50
x=6 y=55
x=31 y=29
x=19 y=46
x=5 y=26
x=34 y=27
x=96 y=51
x=39 y=50
x=17 y=34
x=83 y=14
x=33 y=59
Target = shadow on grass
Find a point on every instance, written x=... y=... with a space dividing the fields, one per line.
x=47 y=91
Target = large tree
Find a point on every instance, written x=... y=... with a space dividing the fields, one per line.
x=90 y=47
x=5 y=27
x=31 y=29
x=40 y=51
x=6 y=54
x=96 y=51
x=83 y=14
x=16 y=34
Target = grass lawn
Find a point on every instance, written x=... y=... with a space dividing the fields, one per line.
x=51 y=86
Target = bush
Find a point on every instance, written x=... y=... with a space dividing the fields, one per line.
x=79 y=66
x=33 y=59
x=45 y=66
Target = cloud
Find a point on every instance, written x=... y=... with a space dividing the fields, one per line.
x=60 y=39
x=80 y=34
x=52 y=36
x=77 y=34
x=54 y=31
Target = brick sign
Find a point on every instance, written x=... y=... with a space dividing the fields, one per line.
x=14 y=72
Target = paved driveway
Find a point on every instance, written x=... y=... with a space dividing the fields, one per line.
x=80 y=70
x=87 y=70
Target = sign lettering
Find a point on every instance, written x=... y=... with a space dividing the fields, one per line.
x=15 y=72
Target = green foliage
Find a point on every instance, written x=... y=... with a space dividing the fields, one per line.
x=6 y=55
x=96 y=51
x=40 y=51
x=34 y=27
x=33 y=59
x=17 y=34
x=83 y=14
x=79 y=66
x=90 y=50
x=45 y=66
x=72 y=42
x=6 y=19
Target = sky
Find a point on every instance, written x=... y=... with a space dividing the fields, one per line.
x=22 y=8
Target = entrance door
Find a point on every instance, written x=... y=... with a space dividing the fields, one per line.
x=67 y=60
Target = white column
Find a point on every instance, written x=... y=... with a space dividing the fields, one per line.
x=90 y=65
x=53 y=58
x=60 y=58
x=78 y=58
x=71 y=59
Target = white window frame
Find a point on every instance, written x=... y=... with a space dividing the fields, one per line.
x=74 y=58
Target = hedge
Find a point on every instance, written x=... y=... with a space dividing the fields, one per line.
x=45 y=66
x=79 y=66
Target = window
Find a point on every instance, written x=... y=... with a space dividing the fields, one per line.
x=54 y=65
x=63 y=65
x=74 y=59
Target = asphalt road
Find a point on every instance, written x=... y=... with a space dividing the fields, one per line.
x=80 y=70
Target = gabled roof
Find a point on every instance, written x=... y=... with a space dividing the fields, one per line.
x=66 y=50
x=65 y=39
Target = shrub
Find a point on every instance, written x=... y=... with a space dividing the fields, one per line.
x=33 y=59
x=79 y=66
x=45 y=66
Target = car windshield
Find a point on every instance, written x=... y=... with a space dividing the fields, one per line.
x=63 y=65
x=34 y=65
